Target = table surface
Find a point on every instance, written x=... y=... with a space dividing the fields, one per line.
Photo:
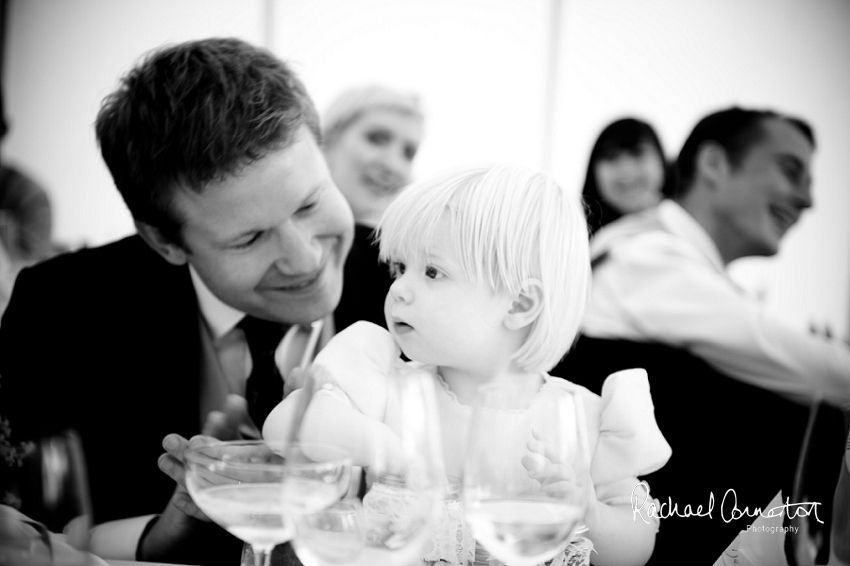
x=133 y=563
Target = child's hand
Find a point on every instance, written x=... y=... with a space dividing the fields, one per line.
x=561 y=478
x=557 y=476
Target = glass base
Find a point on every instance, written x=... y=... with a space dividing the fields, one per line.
x=281 y=555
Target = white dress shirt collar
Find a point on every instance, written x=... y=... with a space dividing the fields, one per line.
x=220 y=317
x=679 y=222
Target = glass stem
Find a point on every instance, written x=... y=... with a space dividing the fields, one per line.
x=262 y=555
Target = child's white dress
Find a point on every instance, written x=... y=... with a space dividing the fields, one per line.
x=623 y=437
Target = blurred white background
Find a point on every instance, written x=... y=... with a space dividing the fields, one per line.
x=525 y=81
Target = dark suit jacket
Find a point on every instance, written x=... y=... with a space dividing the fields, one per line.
x=106 y=341
x=363 y=301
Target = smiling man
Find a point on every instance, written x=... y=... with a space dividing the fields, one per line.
x=215 y=147
x=660 y=276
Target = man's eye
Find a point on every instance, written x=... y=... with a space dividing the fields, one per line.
x=307 y=207
x=396 y=269
x=410 y=152
x=248 y=241
x=793 y=174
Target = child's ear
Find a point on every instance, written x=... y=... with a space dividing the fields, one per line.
x=526 y=305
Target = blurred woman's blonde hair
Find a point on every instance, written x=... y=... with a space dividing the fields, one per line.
x=349 y=105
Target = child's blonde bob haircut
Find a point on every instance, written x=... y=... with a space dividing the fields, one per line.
x=511 y=226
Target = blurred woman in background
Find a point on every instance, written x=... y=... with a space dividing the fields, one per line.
x=371 y=135
x=627 y=172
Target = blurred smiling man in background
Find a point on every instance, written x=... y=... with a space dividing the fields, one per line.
x=660 y=276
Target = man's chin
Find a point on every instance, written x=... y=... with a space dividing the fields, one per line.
x=302 y=319
x=303 y=316
x=766 y=250
x=304 y=310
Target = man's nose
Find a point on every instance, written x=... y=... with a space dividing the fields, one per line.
x=298 y=251
x=803 y=196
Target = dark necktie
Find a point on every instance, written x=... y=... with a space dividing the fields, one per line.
x=264 y=388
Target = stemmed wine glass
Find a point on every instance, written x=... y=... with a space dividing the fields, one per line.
x=254 y=489
x=336 y=535
x=50 y=506
x=525 y=477
x=399 y=492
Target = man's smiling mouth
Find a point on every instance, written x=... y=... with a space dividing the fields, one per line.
x=302 y=283
x=782 y=218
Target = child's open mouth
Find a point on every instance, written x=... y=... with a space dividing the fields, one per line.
x=401 y=327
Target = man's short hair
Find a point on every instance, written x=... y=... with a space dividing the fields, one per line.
x=194 y=113
x=735 y=129
x=509 y=225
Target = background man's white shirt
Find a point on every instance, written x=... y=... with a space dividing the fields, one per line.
x=658 y=277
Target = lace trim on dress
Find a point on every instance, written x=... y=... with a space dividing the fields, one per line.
x=449 y=393
x=547 y=381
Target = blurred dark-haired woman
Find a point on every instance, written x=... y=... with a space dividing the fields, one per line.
x=627 y=172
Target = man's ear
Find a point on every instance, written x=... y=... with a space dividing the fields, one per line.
x=712 y=163
x=154 y=237
x=526 y=305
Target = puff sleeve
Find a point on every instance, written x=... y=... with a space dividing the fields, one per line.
x=630 y=443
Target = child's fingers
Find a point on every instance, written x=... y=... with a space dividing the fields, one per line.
x=547 y=472
x=556 y=480
x=561 y=489
x=551 y=473
x=533 y=464
x=537 y=444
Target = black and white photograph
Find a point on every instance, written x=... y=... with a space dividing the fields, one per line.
x=424 y=282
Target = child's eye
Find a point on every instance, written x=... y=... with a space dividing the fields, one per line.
x=396 y=269
x=432 y=272
x=379 y=137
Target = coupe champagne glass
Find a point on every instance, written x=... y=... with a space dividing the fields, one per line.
x=49 y=486
x=525 y=477
x=400 y=491
x=254 y=489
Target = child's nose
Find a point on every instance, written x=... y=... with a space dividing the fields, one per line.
x=400 y=290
